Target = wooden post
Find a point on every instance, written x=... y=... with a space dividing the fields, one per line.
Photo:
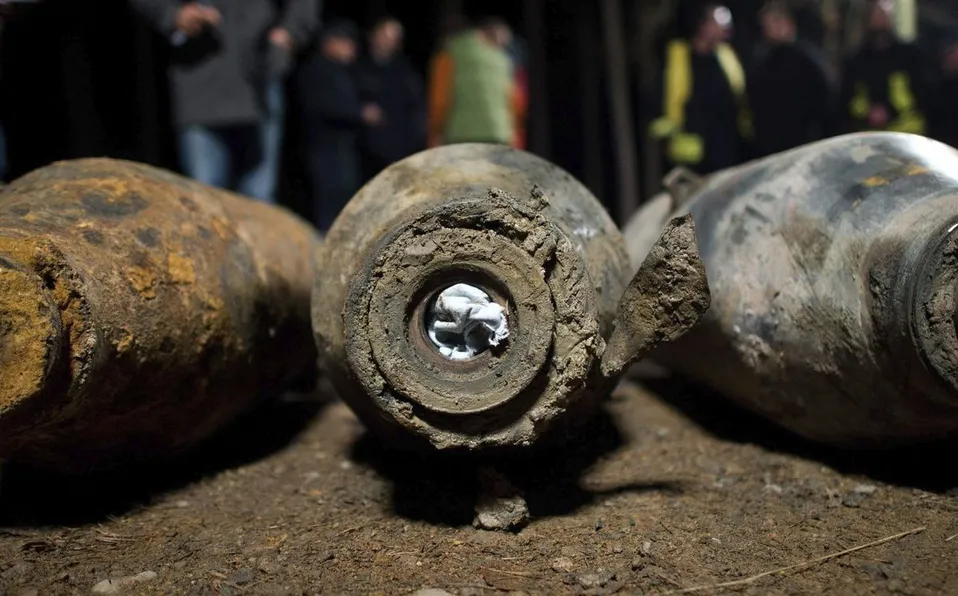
x=623 y=123
x=652 y=17
x=589 y=81
x=540 y=141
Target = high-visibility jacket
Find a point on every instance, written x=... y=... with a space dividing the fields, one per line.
x=900 y=96
x=891 y=77
x=686 y=147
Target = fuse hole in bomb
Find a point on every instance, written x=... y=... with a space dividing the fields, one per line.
x=463 y=321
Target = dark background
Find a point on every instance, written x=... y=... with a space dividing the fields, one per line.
x=87 y=78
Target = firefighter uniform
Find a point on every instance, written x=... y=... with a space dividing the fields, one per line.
x=894 y=78
x=706 y=117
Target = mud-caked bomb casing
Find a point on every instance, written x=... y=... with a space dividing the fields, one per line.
x=543 y=265
x=140 y=311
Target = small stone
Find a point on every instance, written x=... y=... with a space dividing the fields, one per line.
x=502 y=514
x=617 y=549
x=242 y=577
x=853 y=500
x=501 y=506
x=595 y=579
x=865 y=489
x=181 y=504
x=15 y=572
x=265 y=565
x=563 y=565
x=431 y=592
x=646 y=547
x=121 y=584
x=638 y=563
x=599 y=524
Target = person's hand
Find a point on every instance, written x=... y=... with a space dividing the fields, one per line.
x=193 y=17
x=371 y=114
x=281 y=38
x=877 y=117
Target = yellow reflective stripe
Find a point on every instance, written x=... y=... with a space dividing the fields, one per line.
x=678 y=82
x=908 y=122
x=735 y=75
x=860 y=104
x=662 y=128
x=732 y=68
x=903 y=100
x=899 y=92
x=686 y=148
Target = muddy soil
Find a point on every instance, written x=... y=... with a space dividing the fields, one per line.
x=657 y=496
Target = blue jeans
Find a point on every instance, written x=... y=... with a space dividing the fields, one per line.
x=244 y=157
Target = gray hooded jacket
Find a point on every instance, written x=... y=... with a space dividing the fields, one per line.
x=219 y=77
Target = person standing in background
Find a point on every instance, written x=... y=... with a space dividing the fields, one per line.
x=388 y=80
x=228 y=65
x=334 y=116
x=945 y=117
x=791 y=93
x=706 y=119
x=473 y=96
x=887 y=85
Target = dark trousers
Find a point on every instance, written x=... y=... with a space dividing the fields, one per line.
x=243 y=157
x=334 y=175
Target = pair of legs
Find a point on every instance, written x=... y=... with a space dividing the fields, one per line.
x=334 y=175
x=242 y=157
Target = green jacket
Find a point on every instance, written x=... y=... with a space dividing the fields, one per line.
x=481 y=107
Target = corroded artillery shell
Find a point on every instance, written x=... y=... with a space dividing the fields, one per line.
x=535 y=241
x=140 y=311
x=834 y=272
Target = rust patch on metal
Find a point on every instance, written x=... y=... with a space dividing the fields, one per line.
x=165 y=333
x=181 y=269
x=29 y=334
x=143 y=280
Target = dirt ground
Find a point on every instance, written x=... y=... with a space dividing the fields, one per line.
x=657 y=496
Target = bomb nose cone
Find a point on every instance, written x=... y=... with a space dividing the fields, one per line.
x=30 y=330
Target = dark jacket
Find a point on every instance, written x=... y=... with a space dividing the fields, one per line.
x=793 y=98
x=396 y=88
x=713 y=112
x=219 y=77
x=869 y=79
x=331 y=105
x=944 y=118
